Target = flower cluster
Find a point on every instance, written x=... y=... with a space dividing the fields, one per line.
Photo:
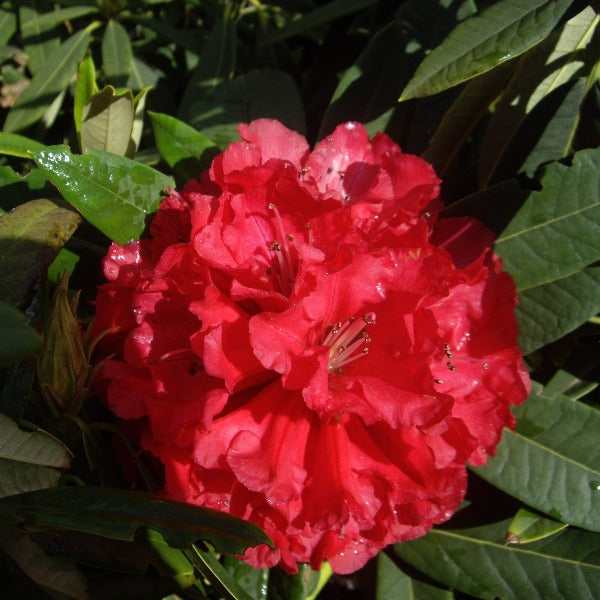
x=309 y=347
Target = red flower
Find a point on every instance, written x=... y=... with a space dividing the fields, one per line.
x=309 y=349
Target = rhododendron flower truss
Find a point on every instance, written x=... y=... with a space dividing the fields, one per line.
x=309 y=347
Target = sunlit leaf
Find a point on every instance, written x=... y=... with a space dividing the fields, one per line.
x=505 y=30
x=39 y=41
x=528 y=526
x=86 y=87
x=112 y=192
x=17 y=145
x=117 y=55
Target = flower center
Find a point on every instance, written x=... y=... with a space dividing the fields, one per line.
x=284 y=267
x=348 y=341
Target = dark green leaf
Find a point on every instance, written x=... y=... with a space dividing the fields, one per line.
x=107 y=121
x=142 y=76
x=393 y=584
x=318 y=17
x=118 y=514
x=505 y=30
x=112 y=192
x=242 y=100
x=216 y=66
x=177 y=141
x=253 y=581
x=117 y=55
x=18 y=145
x=48 y=82
x=19 y=340
x=476 y=561
x=31 y=236
x=552 y=461
x=304 y=585
x=50 y=19
x=557 y=231
x=39 y=42
x=8 y=25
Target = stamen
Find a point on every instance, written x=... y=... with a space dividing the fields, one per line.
x=348 y=341
x=285 y=273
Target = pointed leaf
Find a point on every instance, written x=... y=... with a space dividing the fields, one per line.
x=18 y=145
x=476 y=561
x=118 y=514
x=86 y=87
x=393 y=583
x=52 y=78
x=505 y=30
x=552 y=462
x=31 y=236
x=255 y=582
x=19 y=340
x=29 y=460
x=48 y=20
x=39 y=42
x=528 y=526
x=8 y=25
x=112 y=192
x=117 y=54
x=139 y=103
x=561 y=56
x=107 y=121
x=177 y=141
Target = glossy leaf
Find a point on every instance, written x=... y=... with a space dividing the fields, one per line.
x=393 y=583
x=29 y=460
x=48 y=82
x=30 y=238
x=117 y=55
x=118 y=514
x=557 y=231
x=505 y=30
x=564 y=54
x=176 y=140
x=113 y=193
x=56 y=575
x=18 y=145
x=85 y=88
x=107 y=121
x=528 y=526
x=253 y=581
x=476 y=561
x=19 y=340
x=551 y=462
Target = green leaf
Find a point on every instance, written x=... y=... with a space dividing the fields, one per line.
x=18 y=145
x=31 y=236
x=254 y=581
x=318 y=17
x=117 y=54
x=547 y=312
x=393 y=584
x=552 y=462
x=557 y=231
x=177 y=141
x=56 y=575
x=139 y=103
x=8 y=25
x=564 y=54
x=528 y=526
x=39 y=42
x=476 y=561
x=113 y=193
x=505 y=30
x=65 y=261
x=48 y=82
x=107 y=121
x=19 y=340
x=214 y=571
x=219 y=112
x=462 y=117
x=48 y=20
x=29 y=461
x=118 y=514
x=142 y=75
x=86 y=87
x=216 y=65
x=303 y=585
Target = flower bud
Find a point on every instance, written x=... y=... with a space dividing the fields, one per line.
x=63 y=364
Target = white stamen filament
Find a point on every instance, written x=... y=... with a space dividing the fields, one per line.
x=344 y=339
x=285 y=271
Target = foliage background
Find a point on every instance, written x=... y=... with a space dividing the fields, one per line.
x=104 y=103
